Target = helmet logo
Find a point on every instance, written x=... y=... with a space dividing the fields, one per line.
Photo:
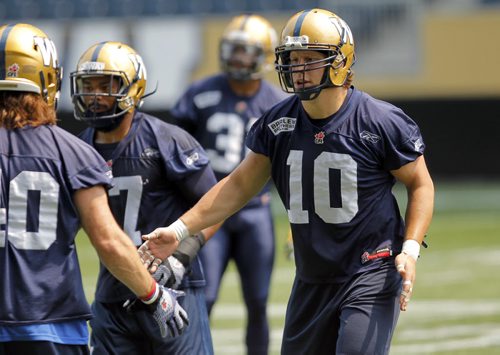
x=343 y=30
x=13 y=71
x=139 y=66
x=47 y=49
x=296 y=41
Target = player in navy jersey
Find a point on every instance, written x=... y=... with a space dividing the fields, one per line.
x=219 y=111
x=159 y=172
x=334 y=153
x=51 y=183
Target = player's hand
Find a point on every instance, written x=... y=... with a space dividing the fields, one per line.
x=170 y=273
x=159 y=245
x=171 y=318
x=168 y=313
x=406 y=267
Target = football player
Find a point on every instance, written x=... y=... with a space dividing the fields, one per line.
x=334 y=153
x=50 y=183
x=159 y=172
x=219 y=111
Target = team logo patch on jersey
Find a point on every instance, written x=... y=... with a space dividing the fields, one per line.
x=418 y=144
x=192 y=158
x=370 y=137
x=241 y=107
x=150 y=153
x=319 y=138
x=283 y=124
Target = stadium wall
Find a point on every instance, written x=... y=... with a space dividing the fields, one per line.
x=453 y=91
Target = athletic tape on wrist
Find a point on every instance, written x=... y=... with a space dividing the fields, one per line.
x=411 y=248
x=180 y=229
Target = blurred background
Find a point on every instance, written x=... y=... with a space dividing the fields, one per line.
x=439 y=60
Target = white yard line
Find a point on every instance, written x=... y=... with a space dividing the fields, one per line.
x=414 y=334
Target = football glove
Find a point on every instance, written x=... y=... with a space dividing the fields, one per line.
x=171 y=318
x=168 y=313
x=170 y=273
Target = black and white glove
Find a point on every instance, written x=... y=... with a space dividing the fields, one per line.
x=171 y=318
x=170 y=273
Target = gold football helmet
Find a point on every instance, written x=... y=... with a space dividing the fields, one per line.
x=316 y=30
x=255 y=37
x=119 y=62
x=29 y=62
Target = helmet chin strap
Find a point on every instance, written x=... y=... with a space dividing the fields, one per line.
x=312 y=93
x=106 y=124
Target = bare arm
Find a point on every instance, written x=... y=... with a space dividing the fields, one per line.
x=114 y=247
x=224 y=199
x=230 y=194
x=420 y=190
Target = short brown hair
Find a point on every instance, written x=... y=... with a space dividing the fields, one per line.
x=19 y=109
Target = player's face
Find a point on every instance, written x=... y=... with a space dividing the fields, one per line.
x=243 y=57
x=309 y=68
x=98 y=90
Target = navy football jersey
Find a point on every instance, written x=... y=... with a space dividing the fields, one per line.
x=219 y=119
x=335 y=180
x=40 y=170
x=151 y=169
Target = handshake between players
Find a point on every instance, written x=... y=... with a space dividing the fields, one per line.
x=168 y=272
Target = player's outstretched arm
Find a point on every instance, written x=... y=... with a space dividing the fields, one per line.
x=117 y=252
x=420 y=206
x=224 y=199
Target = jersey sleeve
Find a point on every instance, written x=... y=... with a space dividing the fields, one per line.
x=84 y=165
x=259 y=137
x=182 y=154
x=403 y=141
x=184 y=113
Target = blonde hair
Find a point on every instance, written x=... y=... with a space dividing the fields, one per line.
x=19 y=109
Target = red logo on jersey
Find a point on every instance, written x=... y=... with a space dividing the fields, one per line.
x=319 y=137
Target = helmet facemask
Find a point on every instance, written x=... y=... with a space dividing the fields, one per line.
x=286 y=71
x=86 y=103
x=122 y=77
x=321 y=31
x=246 y=49
x=242 y=61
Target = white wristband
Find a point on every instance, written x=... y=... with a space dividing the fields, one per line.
x=411 y=248
x=154 y=297
x=180 y=229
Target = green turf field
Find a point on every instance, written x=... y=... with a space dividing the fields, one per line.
x=456 y=303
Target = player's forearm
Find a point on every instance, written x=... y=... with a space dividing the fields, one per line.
x=419 y=210
x=215 y=206
x=114 y=248
x=120 y=257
